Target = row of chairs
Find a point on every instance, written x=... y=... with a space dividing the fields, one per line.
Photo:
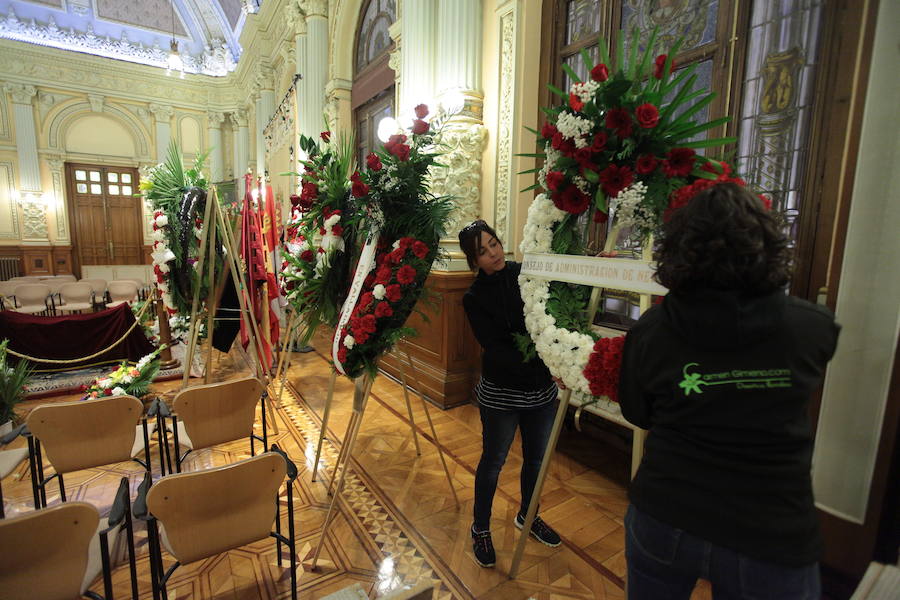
x=68 y=296
x=190 y=515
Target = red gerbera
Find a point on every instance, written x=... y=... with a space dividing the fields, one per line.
x=575 y=103
x=548 y=130
x=679 y=162
x=615 y=179
x=646 y=163
x=555 y=179
x=619 y=121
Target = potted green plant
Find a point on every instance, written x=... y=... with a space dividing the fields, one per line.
x=13 y=382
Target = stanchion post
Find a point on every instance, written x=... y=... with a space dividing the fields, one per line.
x=539 y=484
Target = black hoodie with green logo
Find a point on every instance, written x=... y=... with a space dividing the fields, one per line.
x=723 y=383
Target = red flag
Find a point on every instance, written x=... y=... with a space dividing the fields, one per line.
x=254 y=258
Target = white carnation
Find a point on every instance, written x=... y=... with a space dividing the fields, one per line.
x=117 y=391
x=349 y=342
x=162 y=220
x=378 y=291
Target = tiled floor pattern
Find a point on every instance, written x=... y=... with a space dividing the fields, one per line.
x=397 y=521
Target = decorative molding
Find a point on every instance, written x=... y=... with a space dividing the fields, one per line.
x=265 y=77
x=216 y=59
x=63 y=118
x=503 y=192
x=43 y=66
x=62 y=221
x=7 y=185
x=162 y=113
x=315 y=8
x=96 y=101
x=56 y=162
x=4 y=118
x=463 y=155
x=21 y=93
x=34 y=226
x=239 y=119
x=214 y=119
x=336 y=91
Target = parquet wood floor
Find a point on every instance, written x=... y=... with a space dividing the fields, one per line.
x=397 y=522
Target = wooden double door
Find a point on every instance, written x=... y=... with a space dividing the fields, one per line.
x=105 y=216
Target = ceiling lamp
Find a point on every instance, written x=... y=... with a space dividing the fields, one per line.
x=173 y=61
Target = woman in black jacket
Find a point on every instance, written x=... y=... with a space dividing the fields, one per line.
x=721 y=373
x=511 y=392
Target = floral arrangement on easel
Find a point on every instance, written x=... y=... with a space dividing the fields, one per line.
x=405 y=222
x=177 y=197
x=617 y=146
x=320 y=238
x=126 y=380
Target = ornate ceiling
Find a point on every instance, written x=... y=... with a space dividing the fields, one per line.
x=140 y=31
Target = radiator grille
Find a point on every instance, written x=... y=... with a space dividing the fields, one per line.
x=9 y=267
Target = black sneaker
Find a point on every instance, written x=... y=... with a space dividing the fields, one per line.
x=483 y=548
x=540 y=531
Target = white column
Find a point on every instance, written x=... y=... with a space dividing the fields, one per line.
x=418 y=32
x=301 y=60
x=216 y=152
x=26 y=138
x=163 y=115
x=316 y=76
x=265 y=108
x=459 y=41
x=241 y=134
x=56 y=162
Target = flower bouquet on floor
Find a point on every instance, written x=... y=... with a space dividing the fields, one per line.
x=405 y=223
x=126 y=380
x=623 y=144
x=320 y=238
x=178 y=198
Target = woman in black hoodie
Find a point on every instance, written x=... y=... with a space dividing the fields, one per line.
x=511 y=392
x=721 y=373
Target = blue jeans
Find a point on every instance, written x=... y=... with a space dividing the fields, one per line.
x=498 y=428
x=664 y=563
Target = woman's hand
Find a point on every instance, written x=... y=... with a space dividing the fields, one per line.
x=559 y=383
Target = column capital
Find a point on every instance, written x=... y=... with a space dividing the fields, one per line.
x=239 y=118
x=96 y=101
x=214 y=119
x=162 y=112
x=55 y=162
x=265 y=76
x=315 y=8
x=295 y=17
x=21 y=93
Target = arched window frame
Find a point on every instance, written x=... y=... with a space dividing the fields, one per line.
x=372 y=93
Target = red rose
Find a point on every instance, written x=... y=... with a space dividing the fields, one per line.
x=420 y=249
x=307 y=255
x=600 y=72
x=365 y=300
x=367 y=323
x=359 y=189
x=295 y=200
x=394 y=140
x=396 y=257
x=555 y=179
x=766 y=201
x=419 y=127
x=337 y=230
x=647 y=115
x=326 y=135
x=583 y=156
x=342 y=354
x=660 y=65
x=373 y=162
x=421 y=111
x=383 y=275
x=599 y=143
x=383 y=309
x=406 y=242
x=575 y=102
x=406 y=275
x=401 y=151
x=619 y=121
x=679 y=162
x=393 y=293
x=107 y=392
x=600 y=216
x=646 y=163
x=548 y=131
x=614 y=179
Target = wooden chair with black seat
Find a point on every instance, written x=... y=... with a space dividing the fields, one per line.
x=56 y=553
x=206 y=513
x=216 y=413
x=84 y=434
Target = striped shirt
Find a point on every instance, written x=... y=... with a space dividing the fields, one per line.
x=495 y=396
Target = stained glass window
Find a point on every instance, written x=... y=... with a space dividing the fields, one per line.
x=373 y=39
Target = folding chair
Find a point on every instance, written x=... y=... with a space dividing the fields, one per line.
x=10 y=459
x=205 y=513
x=33 y=298
x=56 y=553
x=84 y=434
x=216 y=413
x=120 y=291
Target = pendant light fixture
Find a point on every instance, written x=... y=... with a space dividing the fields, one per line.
x=173 y=61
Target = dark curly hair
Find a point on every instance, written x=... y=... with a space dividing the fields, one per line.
x=723 y=239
